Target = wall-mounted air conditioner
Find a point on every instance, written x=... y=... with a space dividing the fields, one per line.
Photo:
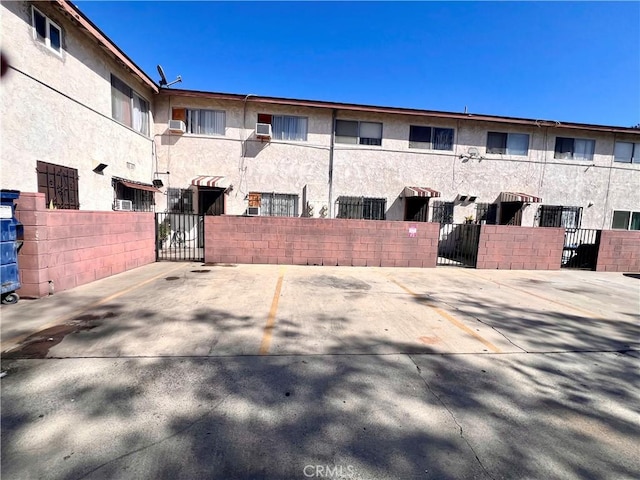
x=126 y=205
x=177 y=126
x=263 y=130
x=253 y=211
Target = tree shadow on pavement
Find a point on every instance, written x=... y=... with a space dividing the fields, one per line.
x=408 y=413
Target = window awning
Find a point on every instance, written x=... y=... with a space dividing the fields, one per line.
x=420 y=192
x=138 y=186
x=209 y=181
x=518 y=197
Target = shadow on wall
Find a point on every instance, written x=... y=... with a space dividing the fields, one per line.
x=269 y=417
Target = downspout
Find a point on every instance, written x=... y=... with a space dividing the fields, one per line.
x=606 y=198
x=333 y=139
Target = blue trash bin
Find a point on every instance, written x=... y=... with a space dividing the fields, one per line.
x=11 y=239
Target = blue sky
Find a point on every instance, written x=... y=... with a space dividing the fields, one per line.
x=566 y=61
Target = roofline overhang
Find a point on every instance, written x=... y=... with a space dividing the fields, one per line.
x=72 y=11
x=394 y=110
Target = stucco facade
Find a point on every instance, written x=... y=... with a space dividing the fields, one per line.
x=599 y=186
x=56 y=108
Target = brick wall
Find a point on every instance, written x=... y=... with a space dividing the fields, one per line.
x=310 y=241
x=74 y=247
x=520 y=248
x=619 y=251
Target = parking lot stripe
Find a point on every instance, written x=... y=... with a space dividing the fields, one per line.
x=271 y=320
x=577 y=309
x=61 y=320
x=448 y=317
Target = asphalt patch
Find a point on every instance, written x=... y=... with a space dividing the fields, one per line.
x=341 y=283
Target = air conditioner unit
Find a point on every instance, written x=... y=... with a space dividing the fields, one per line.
x=126 y=205
x=177 y=126
x=253 y=211
x=263 y=130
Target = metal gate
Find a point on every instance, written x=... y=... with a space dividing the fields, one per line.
x=458 y=244
x=179 y=237
x=581 y=248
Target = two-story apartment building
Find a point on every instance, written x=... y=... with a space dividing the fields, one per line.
x=82 y=123
x=77 y=113
x=344 y=160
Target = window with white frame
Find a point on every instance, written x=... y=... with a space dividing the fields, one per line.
x=46 y=31
x=432 y=138
x=362 y=133
x=560 y=216
x=205 y=122
x=277 y=204
x=574 y=148
x=507 y=143
x=365 y=208
x=128 y=107
x=286 y=127
x=627 y=152
x=625 y=220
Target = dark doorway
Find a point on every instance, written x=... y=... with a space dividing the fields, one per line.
x=416 y=209
x=511 y=213
x=211 y=201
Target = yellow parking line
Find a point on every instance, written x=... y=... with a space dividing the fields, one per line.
x=271 y=320
x=16 y=340
x=449 y=317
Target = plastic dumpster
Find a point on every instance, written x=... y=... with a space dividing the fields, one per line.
x=11 y=239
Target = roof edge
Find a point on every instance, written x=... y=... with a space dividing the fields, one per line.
x=73 y=11
x=395 y=110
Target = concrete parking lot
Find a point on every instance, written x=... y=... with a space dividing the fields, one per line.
x=183 y=370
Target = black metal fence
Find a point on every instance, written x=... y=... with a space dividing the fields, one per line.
x=581 y=248
x=458 y=244
x=179 y=237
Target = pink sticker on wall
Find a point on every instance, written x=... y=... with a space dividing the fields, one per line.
x=413 y=230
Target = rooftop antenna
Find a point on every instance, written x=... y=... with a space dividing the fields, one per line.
x=163 y=78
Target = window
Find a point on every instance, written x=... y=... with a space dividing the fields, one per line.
x=205 y=122
x=45 y=31
x=362 y=208
x=433 y=138
x=627 y=152
x=180 y=200
x=278 y=204
x=487 y=213
x=286 y=127
x=574 y=148
x=623 y=220
x=128 y=107
x=363 y=133
x=59 y=184
x=141 y=200
x=559 y=216
x=508 y=143
x=442 y=212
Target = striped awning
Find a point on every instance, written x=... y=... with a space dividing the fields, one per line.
x=518 y=197
x=138 y=186
x=208 y=181
x=420 y=192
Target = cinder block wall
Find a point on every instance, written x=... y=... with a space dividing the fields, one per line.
x=74 y=247
x=520 y=248
x=311 y=241
x=619 y=251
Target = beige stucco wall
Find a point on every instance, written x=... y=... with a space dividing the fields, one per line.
x=281 y=167
x=383 y=171
x=63 y=114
